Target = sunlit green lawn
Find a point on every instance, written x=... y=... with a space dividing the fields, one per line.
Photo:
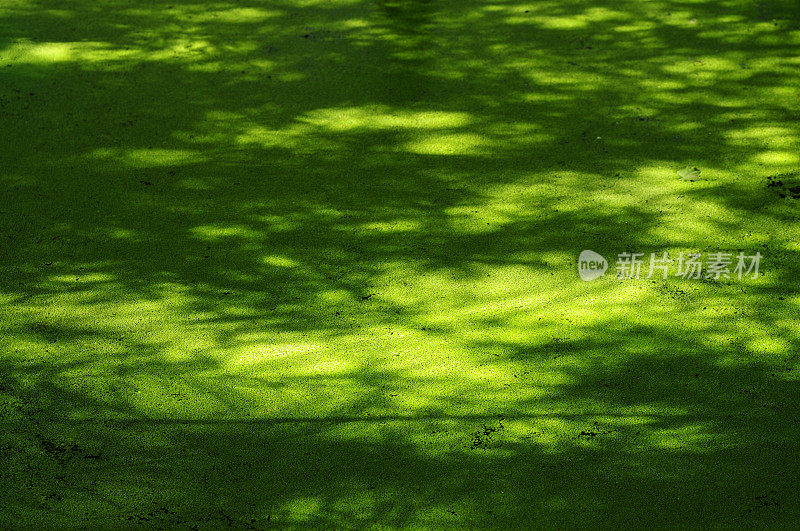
x=314 y=263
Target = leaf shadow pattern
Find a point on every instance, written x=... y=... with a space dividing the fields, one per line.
x=278 y=265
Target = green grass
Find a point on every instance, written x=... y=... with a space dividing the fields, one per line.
x=314 y=264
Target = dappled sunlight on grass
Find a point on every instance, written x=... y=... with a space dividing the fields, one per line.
x=314 y=263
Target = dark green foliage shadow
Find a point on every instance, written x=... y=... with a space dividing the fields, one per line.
x=182 y=184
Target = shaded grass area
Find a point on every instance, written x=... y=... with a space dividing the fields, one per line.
x=313 y=263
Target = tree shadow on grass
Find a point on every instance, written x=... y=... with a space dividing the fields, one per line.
x=651 y=439
x=307 y=265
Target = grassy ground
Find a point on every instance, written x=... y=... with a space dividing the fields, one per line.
x=314 y=263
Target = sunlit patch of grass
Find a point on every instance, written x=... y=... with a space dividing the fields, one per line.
x=314 y=263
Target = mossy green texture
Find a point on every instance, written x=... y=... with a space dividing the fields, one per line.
x=314 y=264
